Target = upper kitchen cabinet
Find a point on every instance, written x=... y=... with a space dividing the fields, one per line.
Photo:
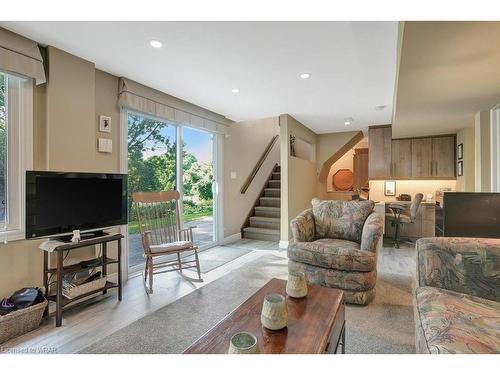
x=409 y=158
x=443 y=155
x=379 y=148
x=421 y=157
x=401 y=158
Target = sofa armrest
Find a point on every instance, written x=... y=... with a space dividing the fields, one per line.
x=464 y=265
x=303 y=226
x=372 y=232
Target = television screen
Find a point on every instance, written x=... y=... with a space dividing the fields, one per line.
x=60 y=202
x=471 y=214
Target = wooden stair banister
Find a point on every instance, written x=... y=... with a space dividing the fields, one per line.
x=255 y=170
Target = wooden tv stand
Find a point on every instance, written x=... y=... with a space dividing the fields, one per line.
x=60 y=270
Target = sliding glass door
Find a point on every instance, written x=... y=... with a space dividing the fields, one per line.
x=198 y=184
x=152 y=159
x=155 y=147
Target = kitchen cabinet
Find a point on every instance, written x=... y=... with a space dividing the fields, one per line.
x=443 y=157
x=409 y=158
x=401 y=166
x=360 y=168
x=421 y=157
x=379 y=146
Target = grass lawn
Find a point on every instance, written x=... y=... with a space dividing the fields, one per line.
x=133 y=226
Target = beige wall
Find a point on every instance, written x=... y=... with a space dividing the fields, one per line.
x=65 y=130
x=467 y=181
x=483 y=148
x=243 y=146
x=329 y=144
x=298 y=176
x=411 y=187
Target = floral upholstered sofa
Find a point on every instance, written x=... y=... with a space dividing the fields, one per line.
x=457 y=302
x=335 y=245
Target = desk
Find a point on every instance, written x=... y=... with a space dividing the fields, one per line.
x=424 y=225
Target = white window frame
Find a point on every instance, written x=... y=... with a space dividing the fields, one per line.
x=495 y=149
x=19 y=154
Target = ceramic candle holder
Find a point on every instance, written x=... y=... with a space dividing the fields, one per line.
x=274 y=314
x=243 y=343
x=296 y=285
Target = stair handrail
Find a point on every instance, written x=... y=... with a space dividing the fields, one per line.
x=257 y=167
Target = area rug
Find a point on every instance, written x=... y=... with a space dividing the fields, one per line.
x=218 y=256
x=384 y=326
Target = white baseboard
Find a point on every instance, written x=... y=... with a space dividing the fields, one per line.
x=230 y=239
x=283 y=244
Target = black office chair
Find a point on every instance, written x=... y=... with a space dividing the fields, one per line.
x=398 y=219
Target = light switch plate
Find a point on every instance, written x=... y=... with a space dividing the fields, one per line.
x=105 y=145
x=233 y=175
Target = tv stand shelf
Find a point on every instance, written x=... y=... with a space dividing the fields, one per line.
x=77 y=267
x=60 y=270
x=67 y=301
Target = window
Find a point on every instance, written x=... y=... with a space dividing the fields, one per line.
x=16 y=116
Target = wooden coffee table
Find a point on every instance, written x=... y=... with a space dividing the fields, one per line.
x=316 y=324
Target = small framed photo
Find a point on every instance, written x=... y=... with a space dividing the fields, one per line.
x=460 y=168
x=105 y=124
x=460 y=151
x=390 y=188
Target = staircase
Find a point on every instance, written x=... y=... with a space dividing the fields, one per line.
x=265 y=223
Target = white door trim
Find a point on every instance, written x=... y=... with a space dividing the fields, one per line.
x=124 y=169
x=495 y=148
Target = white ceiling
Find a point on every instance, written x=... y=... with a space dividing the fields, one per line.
x=352 y=64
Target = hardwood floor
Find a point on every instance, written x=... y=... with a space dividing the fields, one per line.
x=100 y=316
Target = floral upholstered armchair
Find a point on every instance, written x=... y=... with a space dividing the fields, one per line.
x=335 y=245
x=457 y=302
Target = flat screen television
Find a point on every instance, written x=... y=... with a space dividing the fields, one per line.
x=59 y=202
x=471 y=215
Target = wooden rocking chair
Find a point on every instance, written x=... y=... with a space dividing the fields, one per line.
x=162 y=234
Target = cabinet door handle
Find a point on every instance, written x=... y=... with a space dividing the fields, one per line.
x=431 y=167
x=436 y=168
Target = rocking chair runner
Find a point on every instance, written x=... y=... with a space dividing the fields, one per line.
x=162 y=234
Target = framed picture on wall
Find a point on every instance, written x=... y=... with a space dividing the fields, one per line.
x=460 y=168
x=390 y=188
x=460 y=151
x=105 y=124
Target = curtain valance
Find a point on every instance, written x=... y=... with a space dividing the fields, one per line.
x=20 y=55
x=144 y=99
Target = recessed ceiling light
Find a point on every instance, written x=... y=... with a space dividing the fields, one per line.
x=305 y=75
x=235 y=91
x=155 y=43
x=380 y=107
x=348 y=120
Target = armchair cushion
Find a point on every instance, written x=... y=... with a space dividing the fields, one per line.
x=340 y=219
x=333 y=253
x=464 y=265
x=303 y=226
x=372 y=232
x=450 y=322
